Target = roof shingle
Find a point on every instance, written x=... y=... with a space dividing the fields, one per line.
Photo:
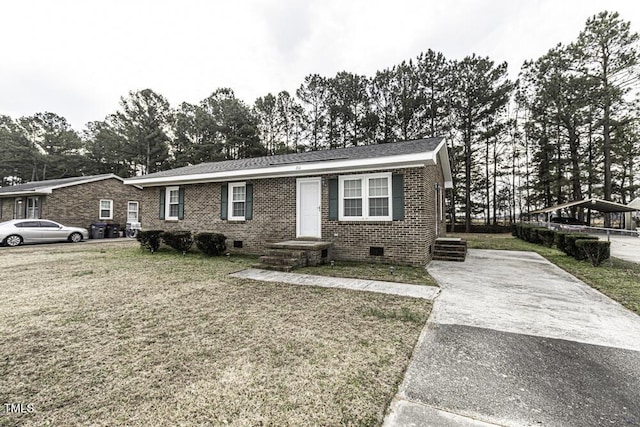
x=348 y=153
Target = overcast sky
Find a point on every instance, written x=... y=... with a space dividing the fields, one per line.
x=76 y=58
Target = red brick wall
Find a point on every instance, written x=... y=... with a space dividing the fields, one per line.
x=274 y=218
x=79 y=205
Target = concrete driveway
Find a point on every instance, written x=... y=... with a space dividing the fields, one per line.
x=624 y=247
x=515 y=341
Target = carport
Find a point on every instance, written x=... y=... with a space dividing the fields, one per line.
x=599 y=205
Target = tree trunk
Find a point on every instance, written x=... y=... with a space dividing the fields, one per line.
x=606 y=148
x=467 y=180
x=576 y=188
x=487 y=184
x=495 y=183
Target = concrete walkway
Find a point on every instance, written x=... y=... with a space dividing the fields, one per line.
x=403 y=289
x=514 y=340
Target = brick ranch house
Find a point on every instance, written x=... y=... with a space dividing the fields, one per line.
x=75 y=202
x=381 y=202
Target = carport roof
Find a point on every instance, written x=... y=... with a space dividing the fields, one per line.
x=595 y=204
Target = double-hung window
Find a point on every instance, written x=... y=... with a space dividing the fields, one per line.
x=173 y=203
x=378 y=197
x=237 y=201
x=352 y=197
x=132 y=211
x=106 y=209
x=365 y=197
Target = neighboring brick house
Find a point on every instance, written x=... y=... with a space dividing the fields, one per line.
x=377 y=202
x=76 y=202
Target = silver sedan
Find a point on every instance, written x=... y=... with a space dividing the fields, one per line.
x=18 y=231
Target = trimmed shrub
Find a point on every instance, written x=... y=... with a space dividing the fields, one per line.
x=150 y=239
x=211 y=244
x=490 y=229
x=560 y=240
x=531 y=233
x=546 y=236
x=595 y=250
x=573 y=249
x=181 y=241
x=519 y=230
x=525 y=232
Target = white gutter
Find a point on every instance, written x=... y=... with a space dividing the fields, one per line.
x=442 y=153
x=34 y=192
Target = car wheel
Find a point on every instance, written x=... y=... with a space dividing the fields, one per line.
x=75 y=237
x=13 y=240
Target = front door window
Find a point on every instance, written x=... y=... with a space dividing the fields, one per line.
x=18 y=211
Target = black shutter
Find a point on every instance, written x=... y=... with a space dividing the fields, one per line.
x=333 y=199
x=248 y=205
x=161 y=204
x=224 y=195
x=181 y=203
x=398 y=196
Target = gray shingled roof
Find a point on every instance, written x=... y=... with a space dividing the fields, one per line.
x=42 y=185
x=349 y=153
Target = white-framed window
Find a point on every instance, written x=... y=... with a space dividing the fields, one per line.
x=172 y=207
x=365 y=197
x=237 y=201
x=106 y=209
x=132 y=211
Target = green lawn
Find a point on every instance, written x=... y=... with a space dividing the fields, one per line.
x=618 y=279
x=94 y=334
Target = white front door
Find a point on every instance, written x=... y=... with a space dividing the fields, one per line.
x=308 y=221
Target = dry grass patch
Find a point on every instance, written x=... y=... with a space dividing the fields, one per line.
x=120 y=337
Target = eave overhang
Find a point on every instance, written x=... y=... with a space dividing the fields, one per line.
x=305 y=169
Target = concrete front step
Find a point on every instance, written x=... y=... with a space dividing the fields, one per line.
x=285 y=253
x=294 y=253
x=283 y=268
x=300 y=245
x=278 y=260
